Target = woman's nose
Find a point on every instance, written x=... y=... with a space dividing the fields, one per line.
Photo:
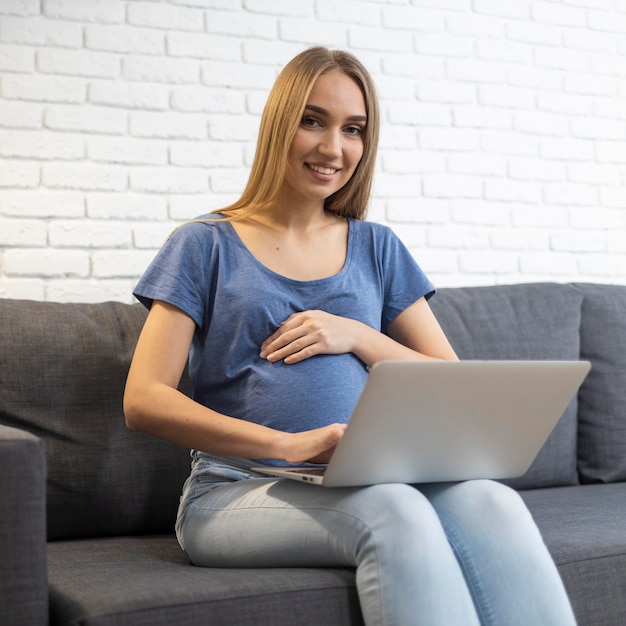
x=330 y=143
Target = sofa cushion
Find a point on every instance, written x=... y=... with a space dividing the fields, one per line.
x=584 y=528
x=68 y=366
x=150 y=582
x=602 y=398
x=538 y=321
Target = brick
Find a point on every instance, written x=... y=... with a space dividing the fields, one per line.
x=567 y=104
x=449 y=139
x=563 y=59
x=160 y=70
x=90 y=290
x=87 y=176
x=540 y=123
x=477 y=164
x=491 y=262
x=549 y=263
x=411 y=113
x=237 y=75
x=459 y=237
x=37 y=31
x=403 y=210
x=512 y=191
x=125 y=39
x=131 y=151
x=78 y=63
x=261 y=27
x=16 y=59
x=40 y=145
x=22 y=8
x=599 y=219
x=129 y=95
x=102 y=11
x=303 y=30
x=532 y=32
x=570 y=194
x=203 y=46
x=610 y=151
x=452 y=186
x=46 y=262
x=168 y=180
x=93 y=119
x=601 y=265
x=128 y=206
x=504 y=51
x=233 y=127
x=551 y=13
x=397 y=162
x=22 y=232
x=590 y=84
x=479 y=212
x=607 y=21
x=471 y=116
x=120 y=263
x=44 y=88
x=22 y=288
x=19 y=174
x=506 y=97
x=444 y=45
x=197 y=99
x=613 y=197
x=419 y=67
x=412 y=18
x=445 y=91
x=536 y=169
x=539 y=216
x=20 y=115
x=42 y=203
x=158 y=15
x=188 y=206
x=368 y=38
x=503 y=142
x=152 y=236
x=262 y=52
x=168 y=125
x=205 y=154
x=594 y=173
x=516 y=9
x=93 y=234
x=281 y=7
x=597 y=129
x=567 y=149
x=479 y=26
x=228 y=181
x=578 y=242
x=519 y=238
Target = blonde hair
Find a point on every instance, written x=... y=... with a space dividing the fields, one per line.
x=281 y=118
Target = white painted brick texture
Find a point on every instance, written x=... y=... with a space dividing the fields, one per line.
x=502 y=156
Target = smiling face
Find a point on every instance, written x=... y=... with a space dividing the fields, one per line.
x=328 y=144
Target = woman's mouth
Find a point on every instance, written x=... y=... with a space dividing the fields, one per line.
x=326 y=171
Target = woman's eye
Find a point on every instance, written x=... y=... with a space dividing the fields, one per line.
x=309 y=121
x=354 y=130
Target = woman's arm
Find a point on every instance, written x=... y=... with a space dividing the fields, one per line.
x=153 y=404
x=414 y=334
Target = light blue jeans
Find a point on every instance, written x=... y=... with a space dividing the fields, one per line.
x=454 y=554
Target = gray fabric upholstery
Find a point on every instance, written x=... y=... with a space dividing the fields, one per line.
x=602 y=398
x=65 y=384
x=23 y=576
x=521 y=322
x=584 y=528
x=149 y=582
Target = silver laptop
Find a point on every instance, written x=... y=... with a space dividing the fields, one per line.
x=421 y=422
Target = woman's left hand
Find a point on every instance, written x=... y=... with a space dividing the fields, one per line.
x=305 y=334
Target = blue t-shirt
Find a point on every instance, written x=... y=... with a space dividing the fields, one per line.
x=205 y=270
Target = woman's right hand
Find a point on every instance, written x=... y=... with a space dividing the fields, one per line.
x=313 y=446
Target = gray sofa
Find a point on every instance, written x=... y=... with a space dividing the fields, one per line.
x=87 y=507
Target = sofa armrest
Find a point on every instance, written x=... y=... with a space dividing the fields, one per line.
x=23 y=562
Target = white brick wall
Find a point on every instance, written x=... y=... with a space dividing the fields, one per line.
x=503 y=149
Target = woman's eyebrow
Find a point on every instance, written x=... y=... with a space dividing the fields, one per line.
x=323 y=111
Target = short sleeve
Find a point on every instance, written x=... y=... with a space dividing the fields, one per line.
x=180 y=274
x=404 y=280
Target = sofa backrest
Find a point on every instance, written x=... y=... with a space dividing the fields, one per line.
x=521 y=322
x=64 y=368
x=602 y=398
